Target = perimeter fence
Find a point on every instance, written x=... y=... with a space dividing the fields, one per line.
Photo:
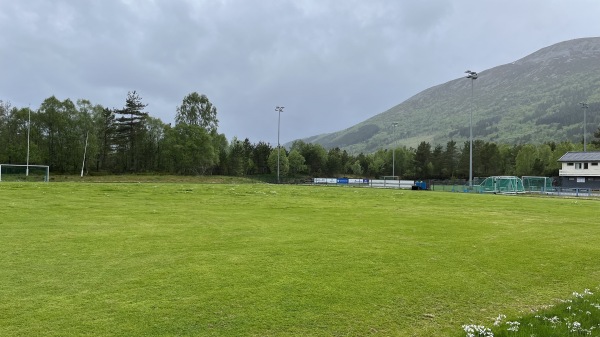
x=462 y=186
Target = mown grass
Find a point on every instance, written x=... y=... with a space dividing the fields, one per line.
x=175 y=259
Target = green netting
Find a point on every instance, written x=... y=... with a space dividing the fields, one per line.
x=502 y=184
x=537 y=184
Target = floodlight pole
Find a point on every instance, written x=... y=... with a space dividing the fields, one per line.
x=394 y=124
x=584 y=106
x=28 y=133
x=279 y=109
x=473 y=76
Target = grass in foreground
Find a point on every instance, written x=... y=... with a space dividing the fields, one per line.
x=578 y=316
x=263 y=260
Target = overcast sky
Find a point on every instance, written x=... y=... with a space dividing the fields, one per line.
x=331 y=63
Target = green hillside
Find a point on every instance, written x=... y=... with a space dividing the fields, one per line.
x=532 y=100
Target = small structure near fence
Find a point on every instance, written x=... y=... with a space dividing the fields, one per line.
x=580 y=170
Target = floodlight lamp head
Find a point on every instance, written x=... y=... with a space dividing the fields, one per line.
x=472 y=75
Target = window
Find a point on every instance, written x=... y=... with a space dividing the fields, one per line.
x=594 y=164
x=578 y=166
x=569 y=164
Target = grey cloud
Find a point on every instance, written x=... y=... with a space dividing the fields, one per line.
x=331 y=63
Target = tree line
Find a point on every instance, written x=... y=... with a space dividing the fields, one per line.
x=129 y=140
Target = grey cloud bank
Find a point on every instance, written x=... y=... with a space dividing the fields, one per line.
x=331 y=63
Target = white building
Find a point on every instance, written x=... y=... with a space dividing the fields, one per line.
x=580 y=170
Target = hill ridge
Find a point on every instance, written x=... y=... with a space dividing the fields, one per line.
x=531 y=100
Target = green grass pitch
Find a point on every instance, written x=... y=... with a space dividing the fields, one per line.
x=169 y=259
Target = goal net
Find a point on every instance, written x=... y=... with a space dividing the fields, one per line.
x=502 y=184
x=537 y=184
x=11 y=172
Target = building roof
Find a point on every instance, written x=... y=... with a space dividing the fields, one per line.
x=580 y=157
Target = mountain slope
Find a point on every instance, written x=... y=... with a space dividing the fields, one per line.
x=532 y=100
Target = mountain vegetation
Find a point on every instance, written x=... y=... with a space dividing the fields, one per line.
x=533 y=100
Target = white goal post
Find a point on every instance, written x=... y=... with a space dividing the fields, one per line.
x=24 y=172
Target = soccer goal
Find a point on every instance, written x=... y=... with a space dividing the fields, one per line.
x=537 y=184
x=391 y=181
x=11 y=172
x=502 y=185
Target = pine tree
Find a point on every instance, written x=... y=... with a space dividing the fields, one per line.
x=130 y=127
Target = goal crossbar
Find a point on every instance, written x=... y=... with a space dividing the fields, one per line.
x=45 y=167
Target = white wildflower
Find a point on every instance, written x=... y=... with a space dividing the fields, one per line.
x=499 y=319
x=473 y=330
x=552 y=320
x=514 y=326
x=574 y=327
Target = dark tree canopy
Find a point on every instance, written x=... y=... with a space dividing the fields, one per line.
x=130 y=140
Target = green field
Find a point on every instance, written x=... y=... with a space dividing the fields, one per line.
x=169 y=259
